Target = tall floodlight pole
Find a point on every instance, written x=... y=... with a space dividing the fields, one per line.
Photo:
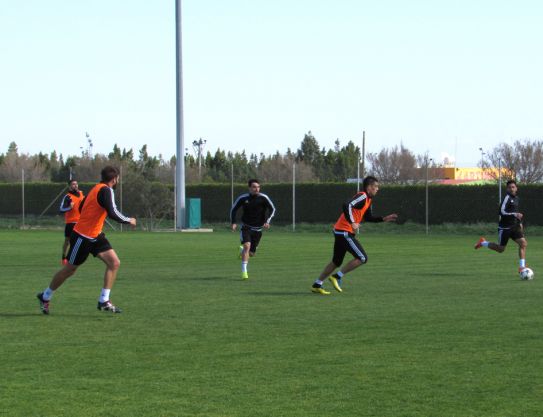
x=180 y=161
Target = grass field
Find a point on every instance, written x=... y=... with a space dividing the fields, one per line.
x=429 y=327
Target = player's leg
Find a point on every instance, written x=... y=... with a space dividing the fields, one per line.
x=360 y=257
x=353 y=264
x=340 y=249
x=110 y=258
x=67 y=233
x=113 y=264
x=245 y=238
x=522 y=245
x=255 y=240
x=503 y=238
x=65 y=246
x=78 y=253
x=317 y=285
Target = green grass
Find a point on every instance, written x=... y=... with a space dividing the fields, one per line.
x=429 y=327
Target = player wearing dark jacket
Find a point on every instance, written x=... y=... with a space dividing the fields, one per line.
x=258 y=210
x=510 y=226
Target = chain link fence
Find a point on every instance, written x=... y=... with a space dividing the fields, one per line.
x=35 y=205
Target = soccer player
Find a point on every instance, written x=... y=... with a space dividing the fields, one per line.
x=87 y=237
x=509 y=226
x=258 y=211
x=70 y=207
x=355 y=211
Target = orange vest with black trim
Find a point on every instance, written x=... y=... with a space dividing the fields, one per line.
x=358 y=215
x=93 y=215
x=72 y=216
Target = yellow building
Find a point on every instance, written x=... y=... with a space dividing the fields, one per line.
x=452 y=175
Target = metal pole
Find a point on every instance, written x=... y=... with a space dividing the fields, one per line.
x=499 y=181
x=121 y=191
x=293 y=196
x=23 y=193
x=180 y=171
x=427 y=163
x=199 y=166
x=174 y=198
x=363 y=153
x=358 y=173
x=232 y=184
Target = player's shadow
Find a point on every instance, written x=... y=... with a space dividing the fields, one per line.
x=282 y=293
x=15 y=315
x=213 y=278
x=441 y=274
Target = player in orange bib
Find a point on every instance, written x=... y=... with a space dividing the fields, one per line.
x=70 y=207
x=355 y=211
x=88 y=238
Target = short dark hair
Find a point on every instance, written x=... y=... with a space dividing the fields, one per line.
x=369 y=180
x=510 y=182
x=252 y=181
x=72 y=180
x=108 y=173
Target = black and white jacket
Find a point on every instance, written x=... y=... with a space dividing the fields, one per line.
x=508 y=208
x=255 y=210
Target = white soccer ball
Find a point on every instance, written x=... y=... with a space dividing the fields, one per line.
x=527 y=274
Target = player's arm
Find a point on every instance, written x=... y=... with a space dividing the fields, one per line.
x=66 y=204
x=233 y=211
x=357 y=202
x=271 y=209
x=369 y=217
x=505 y=209
x=106 y=199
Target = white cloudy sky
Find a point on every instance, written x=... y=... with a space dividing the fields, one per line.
x=438 y=76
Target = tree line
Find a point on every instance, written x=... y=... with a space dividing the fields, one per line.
x=395 y=165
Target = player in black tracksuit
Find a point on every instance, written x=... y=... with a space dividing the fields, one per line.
x=258 y=211
x=510 y=226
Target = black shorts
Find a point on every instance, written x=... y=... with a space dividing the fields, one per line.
x=247 y=234
x=347 y=242
x=514 y=233
x=80 y=247
x=68 y=229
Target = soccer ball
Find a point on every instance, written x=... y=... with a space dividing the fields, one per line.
x=526 y=274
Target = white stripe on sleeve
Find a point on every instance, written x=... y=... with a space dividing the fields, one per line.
x=272 y=206
x=353 y=203
x=117 y=212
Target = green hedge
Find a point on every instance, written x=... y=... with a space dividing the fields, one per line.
x=316 y=203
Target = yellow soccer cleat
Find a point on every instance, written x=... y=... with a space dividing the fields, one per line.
x=244 y=275
x=320 y=290
x=336 y=282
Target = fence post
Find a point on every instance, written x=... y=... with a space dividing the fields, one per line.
x=293 y=196
x=427 y=210
x=23 y=194
x=232 y=184
x=121 y=191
